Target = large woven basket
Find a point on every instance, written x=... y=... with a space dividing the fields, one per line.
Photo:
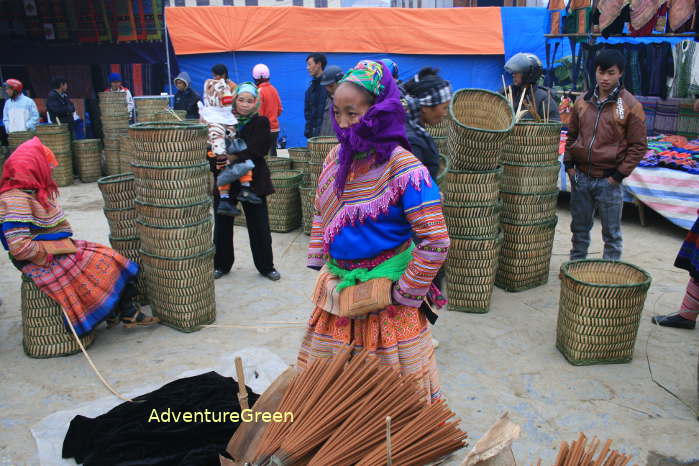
x=440 y=130
x=462 y=187
x=442 y=144
x=63 y=173
x=18 y=137
x=529 y=179
x=533 y=143
x=168 y=132
x=471 y=268
x=480 y=123
x=197 y=172
x=176 y=241
x=599 y=310
x=285 y=204
x=525 y=255
x=168 y=215
x=87 y=158
x=168 y=143
x=112 y=161
x=148 y=106
x=170 y=115
x=55 y=137
x=118 y=191
x=524 y=208
x=44 y=332
x=185 y=300
x=299 y=154
x=320 y=146
x=472 y=219
x=278 y=163
x=307 y=197
x=122 y=222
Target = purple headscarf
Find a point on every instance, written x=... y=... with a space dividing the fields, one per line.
x=379 y=132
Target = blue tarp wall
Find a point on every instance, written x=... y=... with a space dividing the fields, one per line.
x=523 y=31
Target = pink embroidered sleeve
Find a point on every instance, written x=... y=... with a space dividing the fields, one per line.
x=430 y=253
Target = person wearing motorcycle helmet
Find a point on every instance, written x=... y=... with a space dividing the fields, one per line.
x=20 y=112
x=271 y=104
x=526 y=69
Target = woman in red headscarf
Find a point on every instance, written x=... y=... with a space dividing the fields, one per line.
x=89 y=281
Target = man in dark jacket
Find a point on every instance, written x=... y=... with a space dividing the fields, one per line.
x=316 y=95
x=526 y=70
x=58 y=105
x=606 y=140
x=185 y=97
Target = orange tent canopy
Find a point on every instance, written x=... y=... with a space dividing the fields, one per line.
x=431 y=31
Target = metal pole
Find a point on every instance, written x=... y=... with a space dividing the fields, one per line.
x=167 y=55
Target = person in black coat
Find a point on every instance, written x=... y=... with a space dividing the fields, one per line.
x=254 y=130
x=316 y=97
x=186 y=98
x=58 y=105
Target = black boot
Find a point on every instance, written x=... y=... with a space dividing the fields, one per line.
x=675 y=321
x=227 y=208
x=246 y=195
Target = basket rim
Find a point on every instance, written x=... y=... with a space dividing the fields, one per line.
x=473 y=204
x=118 y=209
x=296 y=174
x=548 y=193
x=477 y=172
x=171 y=227
x=195 y=204
x=141 y=165
x=553 y=221
x=328 y=139
x=499 y=235
x=299 y=148
x=474 y=90
x=151 y=125
x=130 y=238
x=83 y=141
x=114 y=178
x=517 y=164
x=208 y=251
x=644 y=284
x=536 y=123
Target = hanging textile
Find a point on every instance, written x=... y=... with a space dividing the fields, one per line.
x=685 y=81
x=681 y=11
x=125 y=21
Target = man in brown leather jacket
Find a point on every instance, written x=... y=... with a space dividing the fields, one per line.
x=606 y=140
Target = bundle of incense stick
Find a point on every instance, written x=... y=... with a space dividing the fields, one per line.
x=340 y=409
x=580 y=453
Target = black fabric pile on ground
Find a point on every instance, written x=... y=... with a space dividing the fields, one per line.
x=123 y=436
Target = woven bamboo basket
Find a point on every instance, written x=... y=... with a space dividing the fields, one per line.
x=463 y=187
x=55 y=137
x=158 y=147
x=18 y=137
x=600 y=309
x=112 y=161
x=533 y=143
x=130 y=247
x=170 y=115
x=164 y=275
x=87 y=158
x=148 y=106
x=307 y=195
x=529 y=179
x=319 y=147
x=196 y=172
x=63 y=173
x=525 y=255
x=125 y=153
x=278 y=163
x=167 y=131
x=471 y=268
x=168 y=215
x=191 y=195
x=168 y=158
x=176 y=238
x=44 y=333
x=112 y=98
x=441 y=143
x=473 y=219
x=116 y=188
x=285 y=204
x=122 y=222
x=314 y=170
x=522 y=208
x=480 y=123
x=299 y=154
x=440 y=130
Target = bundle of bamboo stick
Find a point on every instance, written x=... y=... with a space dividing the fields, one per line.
x=340 y=407
x=580 y=453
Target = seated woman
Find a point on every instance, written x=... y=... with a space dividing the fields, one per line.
x=89 y=281
x=373 y=197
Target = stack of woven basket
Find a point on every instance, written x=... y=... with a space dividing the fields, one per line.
x=125 y=153
x=439 y=133
x=174 y=221
x=87 y=158
x=480 y=123
x=57 y=138
x=43 y=329
x=300 y=158
x=148 y=106
x=18 y=137
x=119 y=194
x=115 y=123
x=529 y=194
x=285 y=204
x=274 y=164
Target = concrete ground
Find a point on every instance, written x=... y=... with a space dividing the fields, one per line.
x=501 y=361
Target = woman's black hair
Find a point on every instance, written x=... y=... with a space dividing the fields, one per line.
x=412 y=85
x=58 y=81
x=220 y=70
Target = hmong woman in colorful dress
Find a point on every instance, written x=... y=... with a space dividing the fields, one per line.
x=373 y=197
x=687 y=259
x=91 y=285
